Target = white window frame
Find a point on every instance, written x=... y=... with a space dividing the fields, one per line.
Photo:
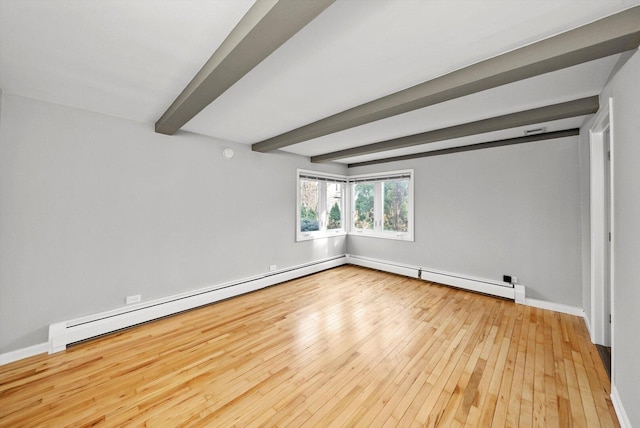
x=323 y=178
x=378 y=179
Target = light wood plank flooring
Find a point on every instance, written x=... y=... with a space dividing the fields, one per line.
x=345 y=347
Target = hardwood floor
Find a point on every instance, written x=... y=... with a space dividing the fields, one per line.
x=345 y=347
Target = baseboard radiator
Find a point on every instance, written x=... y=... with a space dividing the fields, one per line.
x=65 y=333
x=62 y=334
x=480 y=285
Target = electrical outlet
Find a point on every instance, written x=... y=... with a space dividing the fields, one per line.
x=133 y=299
x=273 y=268
x=514 y=279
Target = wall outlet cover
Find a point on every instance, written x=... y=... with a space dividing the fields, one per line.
x=133 y=299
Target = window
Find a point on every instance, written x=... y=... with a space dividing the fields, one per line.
x=382 y=205
x=321 y=205
x=376 y=205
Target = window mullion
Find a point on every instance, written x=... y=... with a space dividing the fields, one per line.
x=377 y=206
x=345 y=210
x=322 y=204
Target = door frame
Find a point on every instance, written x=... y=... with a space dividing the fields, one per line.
x=599 y=232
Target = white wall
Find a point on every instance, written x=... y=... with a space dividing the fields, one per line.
x=624 y=87
x=511 y=210
x=95 y=208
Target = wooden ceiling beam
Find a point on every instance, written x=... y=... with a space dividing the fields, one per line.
x=580 y=107
x=478 y=146
x=265 y=27
x=608 y=36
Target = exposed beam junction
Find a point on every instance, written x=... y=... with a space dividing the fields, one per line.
x=265 y=27
x=580 y=107
x=608 y=36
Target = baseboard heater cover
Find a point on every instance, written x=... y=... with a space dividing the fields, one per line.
x=478 y=285
x=64 y=333
x=459 y=281
x=385 y=266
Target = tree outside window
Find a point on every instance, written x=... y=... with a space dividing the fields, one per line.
x=320 y=205
x=382 y=205
x=378 y=205
x=396 y=205
x=309 y=206
x=334 y=204
x=363 y=212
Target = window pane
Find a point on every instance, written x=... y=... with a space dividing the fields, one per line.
x=334 y=206
x=396 y=205
x=309 y=206
x=363 y=205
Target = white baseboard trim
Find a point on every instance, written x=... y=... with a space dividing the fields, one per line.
x=553 y=306
x=623 y=418
x=477 y=285
x=20 y=354
x=587 y=323
x=383 y=265
x=520 y=294
x=446 y=278
x=64 y=333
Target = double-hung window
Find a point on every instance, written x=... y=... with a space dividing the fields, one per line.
x=321 y=205
x=382 y=205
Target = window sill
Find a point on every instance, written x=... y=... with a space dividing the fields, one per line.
x=384 y=235
x=309 y=236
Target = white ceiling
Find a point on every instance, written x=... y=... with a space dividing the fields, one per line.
x=125 y=58
x=131 y=59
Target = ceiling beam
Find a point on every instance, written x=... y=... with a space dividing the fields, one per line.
x=580 y=107
x=478 y=146
x=611 y=35
x=265 y=27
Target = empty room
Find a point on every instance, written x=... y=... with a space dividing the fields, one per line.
x=319 y=213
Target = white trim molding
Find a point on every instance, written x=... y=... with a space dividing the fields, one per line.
x=600 y=266
x=385 y=266
x=520 y=292
x=64 y=333
x=480 y=285
x=588 y=324
x=20 y=354
x=556 y=307
x=623 y=418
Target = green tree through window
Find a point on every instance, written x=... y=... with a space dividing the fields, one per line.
x=320 y=208
x=374 y=205
x=309 y=206
x=396 y=207
x=335 y=217
x=382 y=205
x=363 y=205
